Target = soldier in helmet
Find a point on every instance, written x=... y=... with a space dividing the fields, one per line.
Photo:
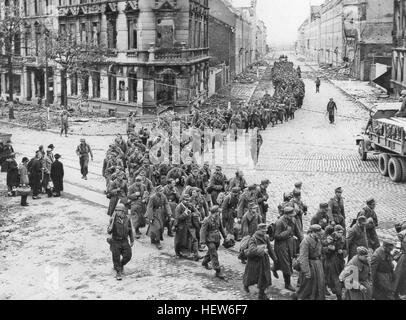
x=121 y=230
x=210 y=235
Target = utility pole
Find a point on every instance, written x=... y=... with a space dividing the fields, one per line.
x=46 y=34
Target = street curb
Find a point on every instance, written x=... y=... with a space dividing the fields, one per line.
x=357 y=101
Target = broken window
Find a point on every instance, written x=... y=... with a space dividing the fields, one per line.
x=166 y=89
x=132 y=34
x=111 y=33
x=74 y=84
x=165 y=33
x=96 y=84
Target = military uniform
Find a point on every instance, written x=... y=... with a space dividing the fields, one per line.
x=210 y=235
x=121 y=230
x=158 y=210
x=137 y=196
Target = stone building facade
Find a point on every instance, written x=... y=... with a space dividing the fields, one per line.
x=158 y=52
x=399 y=47
x=352 y=32
x=29 y=78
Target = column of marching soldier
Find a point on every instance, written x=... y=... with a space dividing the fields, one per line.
x=198 y=207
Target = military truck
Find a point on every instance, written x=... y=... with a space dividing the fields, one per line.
x=385 y=136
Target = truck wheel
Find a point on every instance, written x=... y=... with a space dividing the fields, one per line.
x=395 y=170
x=403 y=164
x=383 y=164
x=361 y=151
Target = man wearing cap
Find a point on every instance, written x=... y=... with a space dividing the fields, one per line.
x=116 y=191
x=210 y=235
x=251 y=220
x=258 y=268
x=286 y=237
x=120 y=228
x=158 y=211
x=83 y=151
x=248 y=197
x=356 y=276
x=238 y=181
x=336 y=212
x=229 y=210
x=195 y=180
x=217 y=184
x=263 y=199
x=331 y=110
x=298 y=187
x=35 y=174
x=300 y=208
x=24 y=180
x=321 y=217
x=57 y=173
x=137 y=197
x=357 y=237
x=46 y=166
x=311 y=277
x=185 y=237
x=51 y=154
x=334 y=252
x=64 y=122
x=382 y=272
x=399 y=285
x=369 y=211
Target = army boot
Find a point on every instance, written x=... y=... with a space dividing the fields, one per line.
x=262 y=295
x=220 y=274
x=288 y=286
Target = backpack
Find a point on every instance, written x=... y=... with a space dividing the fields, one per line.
x=244 y=243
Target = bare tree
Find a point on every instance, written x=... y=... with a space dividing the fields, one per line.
x=74 y=56
x=10 y=33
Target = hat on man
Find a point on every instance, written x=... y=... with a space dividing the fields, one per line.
x=289 y=211
x=25 y=159
x=138 y=178
x=262 y=226
x=315 y=228
x=389 y=243
x=298 y=184
x=362 y=251
x=187 y=197
x=371 y=201
x=82 y=140
x=159 y=188
x=339 y=189
x=218 y=167
x=362 y=219
x=120 y=207
x=324 y=205
x=252 y=187
x=51 y=146
x=265 y=182
x=235 y=190
x=57 y=156
x=338 y=228
x=214 y=209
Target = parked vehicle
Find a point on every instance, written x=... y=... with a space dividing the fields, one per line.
x=385 y=136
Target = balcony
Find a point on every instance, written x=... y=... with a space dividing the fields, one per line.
x=171 y=56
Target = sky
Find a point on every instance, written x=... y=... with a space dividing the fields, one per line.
x=283 y=18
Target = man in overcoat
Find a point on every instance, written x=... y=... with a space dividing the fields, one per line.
x=57 y=174
x=158 y=210
x=258 y=268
